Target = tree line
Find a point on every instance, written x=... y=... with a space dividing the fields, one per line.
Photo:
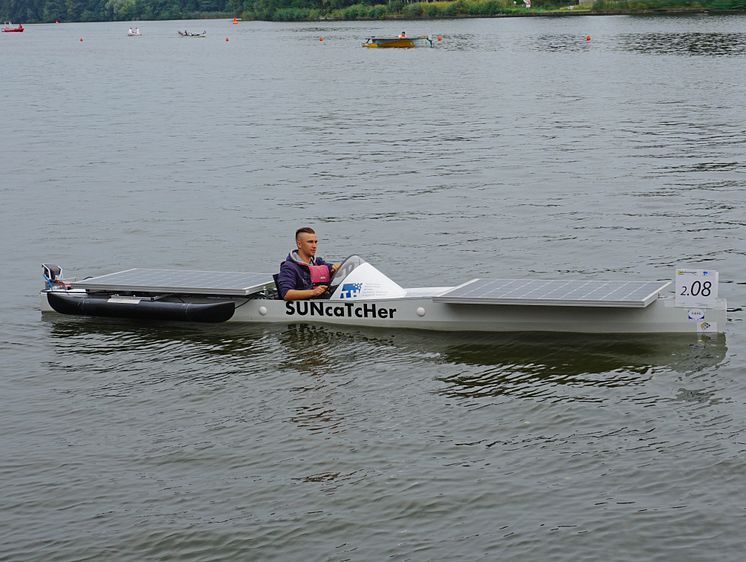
x=36 y=11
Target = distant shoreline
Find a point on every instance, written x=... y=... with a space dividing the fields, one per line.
x=536 y=14
x=434 y=17
x=568 y=13
x=542 y=14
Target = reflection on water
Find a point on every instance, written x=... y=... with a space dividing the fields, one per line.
x=153 y=354
x=318 y=349
x=512 y=361
x=74 y=335
x=524 y=364
x=306 y=348
x=583 y=353
x=695 y=44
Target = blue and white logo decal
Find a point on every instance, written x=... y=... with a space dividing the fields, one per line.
x=350 y=290
x=696 y=314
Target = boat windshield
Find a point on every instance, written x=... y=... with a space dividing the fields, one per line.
x=348 y=266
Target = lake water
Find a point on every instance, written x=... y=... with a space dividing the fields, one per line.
x=513 y=148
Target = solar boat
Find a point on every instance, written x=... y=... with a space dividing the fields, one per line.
x=361 y=295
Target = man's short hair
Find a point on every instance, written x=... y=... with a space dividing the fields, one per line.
x=305 y=230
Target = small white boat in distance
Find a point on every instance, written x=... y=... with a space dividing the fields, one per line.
x=361 y=295
x=134 y=32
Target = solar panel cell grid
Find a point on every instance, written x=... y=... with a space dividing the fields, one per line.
x=229 y=283
x=556 y=292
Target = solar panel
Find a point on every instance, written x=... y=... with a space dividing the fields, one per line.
x=229 y=283
x=554 y=292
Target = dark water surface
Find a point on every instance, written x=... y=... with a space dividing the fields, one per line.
x=514 y=148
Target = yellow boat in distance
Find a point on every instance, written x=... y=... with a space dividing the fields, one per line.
x=398 y=42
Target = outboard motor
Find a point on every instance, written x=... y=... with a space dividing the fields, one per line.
x=52 y=275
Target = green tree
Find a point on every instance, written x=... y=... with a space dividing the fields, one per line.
x=54 y=10
x=75 y=9
x=121 y=9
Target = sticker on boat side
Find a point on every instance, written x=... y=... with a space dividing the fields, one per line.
x=696 y=314
x=344 y=310
x=705 y=327
x=350 y=290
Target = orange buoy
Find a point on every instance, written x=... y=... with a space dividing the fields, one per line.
x=235 y=21
x=587 y=37
x=440 y=38
x=321 y=39
x=226 y=39
x=81 y=39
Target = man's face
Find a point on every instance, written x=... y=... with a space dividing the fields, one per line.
x=307 y=244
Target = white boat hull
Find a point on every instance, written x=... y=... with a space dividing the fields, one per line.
x=425 y=314
x=422 y=313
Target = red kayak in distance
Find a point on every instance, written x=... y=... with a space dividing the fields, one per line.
x=17 y=29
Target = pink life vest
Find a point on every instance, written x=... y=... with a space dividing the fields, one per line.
x=319 y=274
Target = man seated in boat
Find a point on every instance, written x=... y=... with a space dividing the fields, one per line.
x=302 y=274
x=402 y=35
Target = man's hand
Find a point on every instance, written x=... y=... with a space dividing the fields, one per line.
x=335 y=267
x=319 y=290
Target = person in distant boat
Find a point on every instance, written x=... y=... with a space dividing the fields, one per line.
x=302 y=274
x=402 y=35
x=130 y=31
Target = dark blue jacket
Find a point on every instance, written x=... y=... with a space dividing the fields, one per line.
x=295 y=275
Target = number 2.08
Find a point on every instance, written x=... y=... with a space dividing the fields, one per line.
x=697 y=288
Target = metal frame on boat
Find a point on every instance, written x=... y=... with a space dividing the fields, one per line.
x=361 y=295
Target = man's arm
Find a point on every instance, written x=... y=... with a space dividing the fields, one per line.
x=301 y=294
x=287 y=280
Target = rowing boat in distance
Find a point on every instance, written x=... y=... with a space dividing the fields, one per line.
x=189 y=34
x=361 y=295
